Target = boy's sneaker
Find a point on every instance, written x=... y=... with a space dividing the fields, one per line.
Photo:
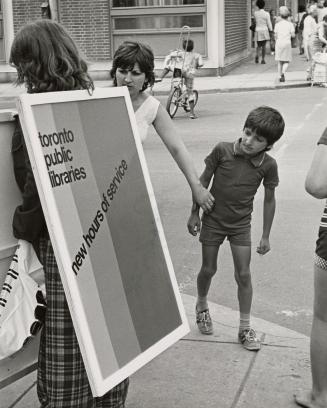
x=249 y=339
x=204 y=322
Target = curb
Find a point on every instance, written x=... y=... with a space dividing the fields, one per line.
x=241 y=89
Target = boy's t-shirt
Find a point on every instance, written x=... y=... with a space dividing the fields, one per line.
x=236 y=180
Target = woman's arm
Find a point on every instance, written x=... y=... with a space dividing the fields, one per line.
x=316 y=180
x=269 y=22
x=321 y=34
x=167 y=132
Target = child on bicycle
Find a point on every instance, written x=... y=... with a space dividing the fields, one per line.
x=187 y=62
x=237 y=170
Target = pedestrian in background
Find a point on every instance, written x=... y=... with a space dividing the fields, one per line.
x=262 y=28
x=309 y=27
x=299 y=27
x=321 y=10
x=237 y=170
x=316 y=185
x=317 y=43
x=47 y=60
x=271 y=33
x=284 y=32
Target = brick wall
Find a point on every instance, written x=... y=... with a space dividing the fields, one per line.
x=88 y=23
x=86 y=20
x=25 y=11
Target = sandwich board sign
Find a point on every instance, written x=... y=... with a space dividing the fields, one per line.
x=105 y=228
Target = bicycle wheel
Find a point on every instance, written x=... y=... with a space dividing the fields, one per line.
x=173 y=102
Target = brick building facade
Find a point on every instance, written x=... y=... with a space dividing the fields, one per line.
x=220 y=29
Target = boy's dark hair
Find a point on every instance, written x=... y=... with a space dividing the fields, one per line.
x=47 y=59
x=131 y=52
x=266 y=122
x=188 y=45
x=260 y=4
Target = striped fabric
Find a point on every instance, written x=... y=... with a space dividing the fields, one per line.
x=62 y=379
x=323 y=222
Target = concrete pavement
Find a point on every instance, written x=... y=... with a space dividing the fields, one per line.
x=212 y=371
x=247 y=77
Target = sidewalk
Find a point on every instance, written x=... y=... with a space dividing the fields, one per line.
x=210 y=371
x=247 y=77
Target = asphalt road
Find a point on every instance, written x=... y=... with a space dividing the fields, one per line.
x=282 y=279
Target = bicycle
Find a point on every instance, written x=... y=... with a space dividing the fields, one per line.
x=178 y=96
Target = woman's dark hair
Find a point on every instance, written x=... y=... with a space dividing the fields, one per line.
x=266 y=122
x=260 y=4
x=47 y=59
x=128 y=54
x=324 y=19
x=301 y=8
x=188 y=45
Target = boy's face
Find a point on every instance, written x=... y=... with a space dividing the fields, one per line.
x=251 y=143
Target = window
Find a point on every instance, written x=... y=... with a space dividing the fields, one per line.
x=154 y=3
x=158 y=22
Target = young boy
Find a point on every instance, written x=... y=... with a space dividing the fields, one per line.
x=187 y=61
x=237 y=170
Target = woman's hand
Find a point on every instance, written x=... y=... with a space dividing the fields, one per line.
x=203 y=197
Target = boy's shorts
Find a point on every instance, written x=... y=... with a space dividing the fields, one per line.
x=215 y=236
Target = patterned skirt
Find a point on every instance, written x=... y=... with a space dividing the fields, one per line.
x=62 y=380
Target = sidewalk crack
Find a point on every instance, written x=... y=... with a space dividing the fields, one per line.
x=246 y=376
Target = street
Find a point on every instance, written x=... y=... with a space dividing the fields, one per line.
x=282 y=279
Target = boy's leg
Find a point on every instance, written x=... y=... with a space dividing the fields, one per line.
x=242 y=257
x=207 y=271
x=189 y=81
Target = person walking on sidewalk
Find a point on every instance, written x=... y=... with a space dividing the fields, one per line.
x=299 y=27
x=262 y=28
x=237 y=170
x=316 y=185
x=284 y=31
x=317 y=43
x=309 y=27
x=47 y=60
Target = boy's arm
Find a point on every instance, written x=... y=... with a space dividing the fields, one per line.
x=269 y=206
x=194 y=223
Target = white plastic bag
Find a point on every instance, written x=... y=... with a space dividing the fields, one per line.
x=22 y=302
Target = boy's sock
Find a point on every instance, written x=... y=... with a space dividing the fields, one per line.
x=201 y=303
x=244 y=321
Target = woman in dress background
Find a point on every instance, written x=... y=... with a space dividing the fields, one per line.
x=262 y=28
x=284 y=31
